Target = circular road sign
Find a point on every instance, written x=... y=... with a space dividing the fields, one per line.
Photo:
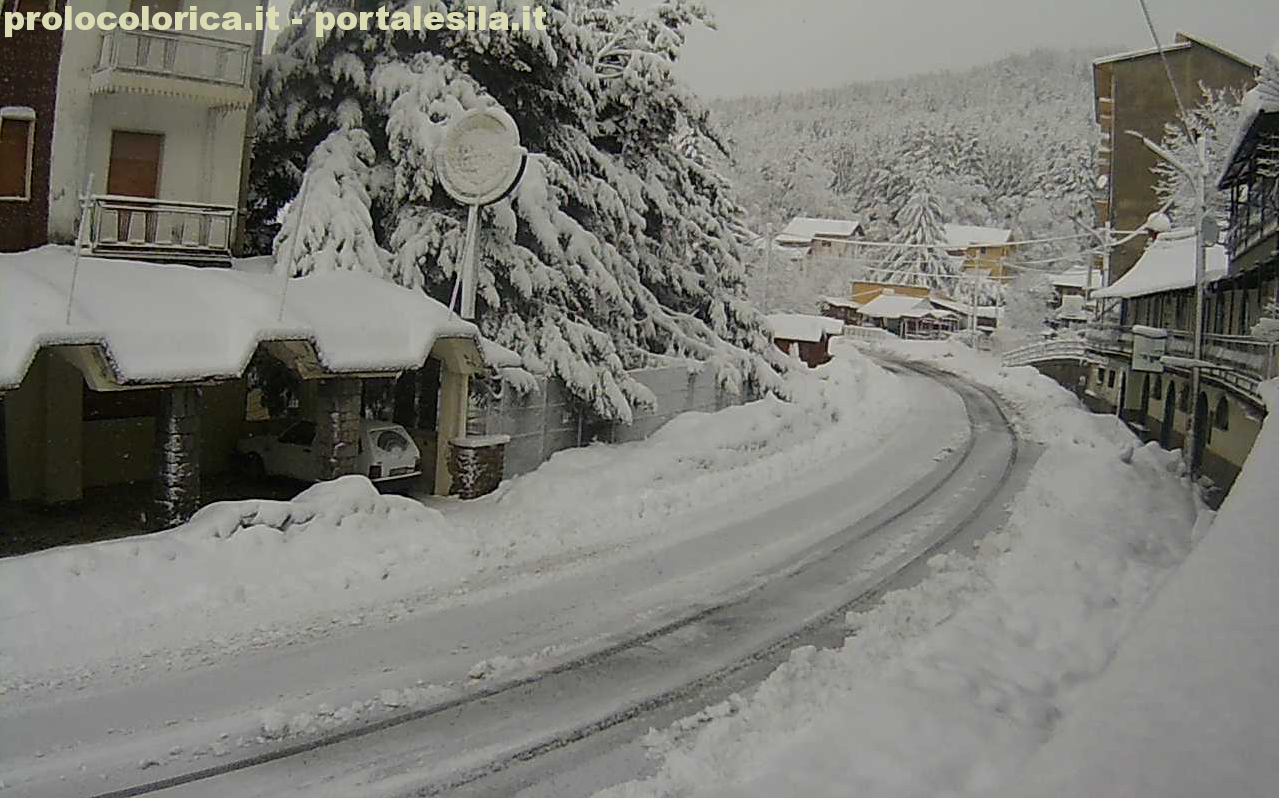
x=480 y=160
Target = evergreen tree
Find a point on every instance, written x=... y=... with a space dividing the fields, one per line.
x=923 y=259
x=618 y=249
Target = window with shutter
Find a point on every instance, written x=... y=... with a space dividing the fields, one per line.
x=17 y=133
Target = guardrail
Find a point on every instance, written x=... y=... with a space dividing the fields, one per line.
x=1240 y=362
x=148 y=228
x=177 y=55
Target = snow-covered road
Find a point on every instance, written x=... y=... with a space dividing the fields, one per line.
x=614 y=633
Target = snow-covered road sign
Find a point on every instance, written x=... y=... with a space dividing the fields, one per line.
x=479 y=162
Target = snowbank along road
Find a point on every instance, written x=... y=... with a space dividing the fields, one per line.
x=610 y=648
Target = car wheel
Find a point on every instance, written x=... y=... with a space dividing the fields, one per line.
x=254 y=468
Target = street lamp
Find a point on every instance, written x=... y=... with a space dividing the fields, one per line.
x=1206 y=229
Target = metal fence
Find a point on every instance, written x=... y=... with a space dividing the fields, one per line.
x=546 y=421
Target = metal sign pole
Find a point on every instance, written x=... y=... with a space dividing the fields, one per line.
x=75 y=266
x=469 y=277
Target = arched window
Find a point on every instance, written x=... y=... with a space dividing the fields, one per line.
x=1157 y=389
x=1221 y=414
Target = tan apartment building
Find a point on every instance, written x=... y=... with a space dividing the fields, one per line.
x=1157 y=313
x=1132 y=93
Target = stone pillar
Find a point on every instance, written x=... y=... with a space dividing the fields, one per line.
x=455 y=390
x=337 y=443
x=178 y=455
x=477 y=464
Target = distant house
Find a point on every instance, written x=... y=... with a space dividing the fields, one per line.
x=1074 y=281
x=846 y=310
x=982 y=248
x=907 y=316
x=803 y=336
x=864 y=291
x=819 y=237
x=985 y=317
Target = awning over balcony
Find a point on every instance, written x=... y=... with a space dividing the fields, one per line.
x=1169 y=264
x=148 y=324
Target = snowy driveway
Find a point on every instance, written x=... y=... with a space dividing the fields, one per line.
x=101 y=739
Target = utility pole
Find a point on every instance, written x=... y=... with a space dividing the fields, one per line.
x=1197 y=347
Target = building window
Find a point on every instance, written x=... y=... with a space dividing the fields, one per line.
x=1102 y=375
x=1111 y=378
x=1184 y=399
x=17 y=145
x=1221 y=414
x=1157 y=390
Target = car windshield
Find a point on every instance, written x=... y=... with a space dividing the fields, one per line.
x=388 y=440
x=300 y=434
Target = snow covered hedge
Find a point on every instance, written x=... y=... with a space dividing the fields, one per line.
x=617 y=250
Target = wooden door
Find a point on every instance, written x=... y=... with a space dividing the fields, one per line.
x=134 y=170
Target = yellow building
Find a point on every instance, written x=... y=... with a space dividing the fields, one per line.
x=982 y=248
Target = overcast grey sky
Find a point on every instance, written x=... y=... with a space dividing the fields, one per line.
x=767 y=46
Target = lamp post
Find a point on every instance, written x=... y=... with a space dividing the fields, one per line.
x=1198 y=176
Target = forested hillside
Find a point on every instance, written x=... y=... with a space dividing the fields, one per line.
x=1007 y=144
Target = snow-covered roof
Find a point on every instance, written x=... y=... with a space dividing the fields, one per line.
x=981 y=311
x=802 y=327
x=896 y=306
x=1261 y=99
x=158 y=324
x=1169 y=264
x=1146 y=51
x=841 y=302
x=964 y=236
x=1077 y=277
x=802 y=229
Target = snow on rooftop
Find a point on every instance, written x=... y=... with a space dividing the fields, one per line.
x=1078 y=277
x=1169 y=264
x=802 y=327
x=962 y=308
x=964 y=235
x=1146 y=51
x=896 y=306
x=841 y=302
x=802 y=229
x=168 y=323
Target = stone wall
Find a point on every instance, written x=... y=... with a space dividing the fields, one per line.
x=178 y=455
x=337 y=427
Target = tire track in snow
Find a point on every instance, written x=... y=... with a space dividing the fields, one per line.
x=941 y=480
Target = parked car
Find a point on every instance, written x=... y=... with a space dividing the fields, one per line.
x=386 y=452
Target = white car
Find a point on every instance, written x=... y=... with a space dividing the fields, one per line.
x=386 y=452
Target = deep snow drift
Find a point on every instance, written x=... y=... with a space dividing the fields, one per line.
x=1188 y=706
x=262 y=573
x=949 y=687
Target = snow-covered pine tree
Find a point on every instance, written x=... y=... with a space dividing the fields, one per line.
x=617 y=251
x=328 y=228
x=1216 y=119
x=922 y=259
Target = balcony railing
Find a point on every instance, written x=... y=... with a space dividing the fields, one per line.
x=199 y=66
x=150 y=229
x=1239 y=361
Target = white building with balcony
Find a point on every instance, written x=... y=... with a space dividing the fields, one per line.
x=154 y=124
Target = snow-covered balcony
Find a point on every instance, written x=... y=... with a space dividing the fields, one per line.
x=151 y=229
x=1245 y=362
x=215 y=72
